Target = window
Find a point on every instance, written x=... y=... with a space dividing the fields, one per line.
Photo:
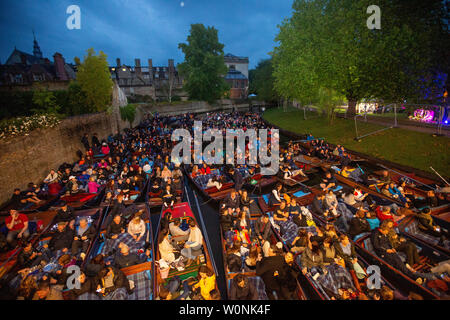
x=232 y=67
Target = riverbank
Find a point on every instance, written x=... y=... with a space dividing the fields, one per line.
x=415 y=149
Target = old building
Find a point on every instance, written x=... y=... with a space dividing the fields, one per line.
x=22 y=71
x=237 y=76
x=160 y=83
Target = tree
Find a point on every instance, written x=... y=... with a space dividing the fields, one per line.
x=128 y=113
x=327 y=44
x=46 y=102
x=95 y=80
x=168 y=85
x=262 y=81
x=204 y=67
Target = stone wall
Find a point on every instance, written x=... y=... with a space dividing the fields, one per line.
x=29 y=158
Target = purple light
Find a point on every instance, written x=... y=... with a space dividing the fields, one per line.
x=423 y=115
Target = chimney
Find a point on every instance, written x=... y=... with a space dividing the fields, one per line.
x=137 y=66
x=171 y=66
x=60 y=70
x=118 y=62
x=150 y=68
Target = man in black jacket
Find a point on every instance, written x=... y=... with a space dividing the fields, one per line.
x=62 y=239
x=383 y=248
x=124 y=258
x=232 y=201
x=65 y=213
x=242 y=288
x=269 y=269
x=111 y=279
x=263 y=230
x=84 y=234
x=238 y=179
x=85 y=141
x=116 y=227
x=358 y=224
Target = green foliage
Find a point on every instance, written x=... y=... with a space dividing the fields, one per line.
x=204 y=67
x=327 y=44
x=24 y=125
x=128 y=113
x=95 y=80
x=46 y=102
x=262 y=81
x=397 y=145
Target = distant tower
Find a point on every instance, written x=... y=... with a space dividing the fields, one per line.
x=36 y=49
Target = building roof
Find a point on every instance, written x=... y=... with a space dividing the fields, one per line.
x=235 y=75
x=232 y=58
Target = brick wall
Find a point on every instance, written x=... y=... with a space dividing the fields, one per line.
x=29 y=158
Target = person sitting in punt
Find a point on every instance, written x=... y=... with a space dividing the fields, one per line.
x=227 y=222
x=62 y=239
x=168 y=197
x=17 y=225
x=214 y=182
x=207 y=282
x=136 y=227
x=384 y=213
x=176 y=231
x=87 y=285
x=328 y=181
x=245 y=199
x=331 y=203
x=385 y=177
x=52 y=177
x=233 y=258
x=264 y=232
x=166 y=173
x=112 y=284
x=124 y=258
x=319 y=205
x=45 y=291
x=346 y=250
x=72 y=186
x=20 y=200
x=291 y=174
x=232 y=201
x=382 y=245
x=165 y=247
x=242 y=289
x=195 y=172
x=300 y=242
x=192 y=247
x=64 y=213
x=155 y=187
x=176 y=289
x=372 y=219
x=204 y=169
x=84 y=234
x=402 y=245
x=358 y=224
x=427 y=225
x=237 y=178
x=92 y=185
x=242 y=228
x=275 y=196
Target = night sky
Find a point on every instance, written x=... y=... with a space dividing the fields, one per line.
x=130 y=29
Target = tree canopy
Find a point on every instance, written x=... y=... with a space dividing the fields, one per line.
x=262 y=81
x=128 y=113
x=94 y=78
x=327 y=44
x=204 y=67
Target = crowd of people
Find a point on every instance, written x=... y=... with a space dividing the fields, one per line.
x=266 y=250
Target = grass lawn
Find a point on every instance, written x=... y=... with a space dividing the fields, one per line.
x=414 y=149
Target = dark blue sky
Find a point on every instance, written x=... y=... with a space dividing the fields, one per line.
x=142 y=29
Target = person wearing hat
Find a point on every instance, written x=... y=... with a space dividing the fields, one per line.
x=427 y=225
x=72 y=185
x=105 y=149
